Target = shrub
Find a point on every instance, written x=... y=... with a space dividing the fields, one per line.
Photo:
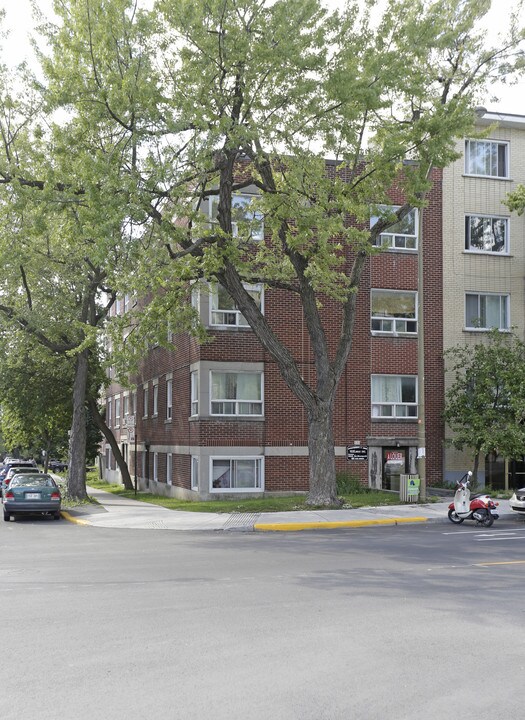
x=348 y=484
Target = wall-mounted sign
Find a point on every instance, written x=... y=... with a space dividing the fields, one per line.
x=356 y=452
x=394 y=456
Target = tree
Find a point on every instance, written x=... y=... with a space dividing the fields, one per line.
x=485 y=405
x=36 y=397
x=57 y=258
x=193 y=101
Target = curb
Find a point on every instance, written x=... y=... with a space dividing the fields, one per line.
x=293 y=527
x=72 y=519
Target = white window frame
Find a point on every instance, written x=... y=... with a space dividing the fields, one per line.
x=256 y=233
x=109 y=412
x=194 y=393
x=393 y=324
x=399 y=409
x=156 y=466
x=487 y=219
x=145 y=398
x=194 y=471
x=169 y=468
x=125 y=405
x=396 y=241
x=504 y=311
x=258 y=459
x=169 y=399
x=237 y=402
x=155 y=399
x=498 y=143
x=232 y=318
x=117 y=411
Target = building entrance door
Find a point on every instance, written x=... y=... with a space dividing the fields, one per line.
x=394 y=465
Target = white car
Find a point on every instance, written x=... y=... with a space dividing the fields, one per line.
x=517 y=501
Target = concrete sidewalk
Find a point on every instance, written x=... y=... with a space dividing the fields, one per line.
x=117 y=512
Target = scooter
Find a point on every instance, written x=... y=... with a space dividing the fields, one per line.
x=480 y=508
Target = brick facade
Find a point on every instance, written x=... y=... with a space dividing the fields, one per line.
x=279 y=438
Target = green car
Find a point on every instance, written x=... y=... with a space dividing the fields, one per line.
x=32 y=493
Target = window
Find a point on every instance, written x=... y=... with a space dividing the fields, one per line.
x=394 y=396
x=125 y=405
x=134 y=402
x=402 y=235
x=155 y=400
x=240 y=474
x=109 y=418
x=484 y=311
x=224 y=310
x=146 y=401
x=169 y=399
x=393 y=312
x=246 y=222
x=487 y=158
x=117 y=411
x=169 y=468
x=156 y=466
x=194 y=472
x=485 y=233
x=108 y=458
x=194 y=393
x=236 y=393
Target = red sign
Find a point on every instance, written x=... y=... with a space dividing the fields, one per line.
x=394 y=456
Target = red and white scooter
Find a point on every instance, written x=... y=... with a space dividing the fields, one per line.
x=480 y=508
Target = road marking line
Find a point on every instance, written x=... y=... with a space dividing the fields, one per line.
x=502 y=562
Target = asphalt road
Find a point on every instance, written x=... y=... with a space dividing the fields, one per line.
x=390 y=623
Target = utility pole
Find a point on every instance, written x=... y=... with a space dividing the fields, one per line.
x=421 y=434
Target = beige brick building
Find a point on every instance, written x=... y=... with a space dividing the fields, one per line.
x=483 y=251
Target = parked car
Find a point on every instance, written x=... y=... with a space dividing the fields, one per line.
x=12 y=472
x=517 y=501
x=16 y=463
x=31 y=493
x=57 y=465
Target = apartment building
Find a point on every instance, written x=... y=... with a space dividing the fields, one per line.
x=217 y=419
x=483 y=255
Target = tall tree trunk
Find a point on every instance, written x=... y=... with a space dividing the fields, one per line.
x=76 y=480
x=122 y=465
x=323 y=490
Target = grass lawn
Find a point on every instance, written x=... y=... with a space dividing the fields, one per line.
x=366 y=498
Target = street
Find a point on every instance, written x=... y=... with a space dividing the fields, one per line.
x=393 y=622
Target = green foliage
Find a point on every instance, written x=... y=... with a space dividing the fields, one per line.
x=485 y=405
x=516 y=200
x=348 y=484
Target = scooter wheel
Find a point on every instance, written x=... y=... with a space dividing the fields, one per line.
x=454 y=517
x=488 y=520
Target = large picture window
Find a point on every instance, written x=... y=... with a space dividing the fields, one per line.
x=223 y=308
x=236 y=393
x=402 y=235
x=247 y=222
x=393 y=312
x=394 y=396
x=488 y=158
x=239 y=474
x=486 y=233
x=484 y=311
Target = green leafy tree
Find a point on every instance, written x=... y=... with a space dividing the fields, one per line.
x=485 y=405
x=36 y=397
x=192 y=101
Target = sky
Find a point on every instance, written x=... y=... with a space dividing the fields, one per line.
x=20 y=24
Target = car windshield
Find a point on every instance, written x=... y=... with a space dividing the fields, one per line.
x=32 y=481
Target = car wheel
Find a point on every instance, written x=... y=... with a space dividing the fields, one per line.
x=454 y=517
x=57 y=516
x=7 y=516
